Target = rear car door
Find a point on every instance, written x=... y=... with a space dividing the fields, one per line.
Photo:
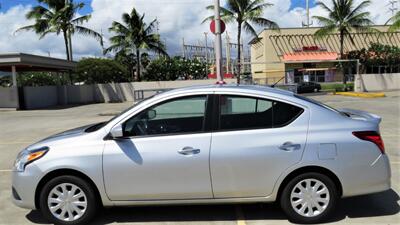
x=164 y=155
x=255 y=141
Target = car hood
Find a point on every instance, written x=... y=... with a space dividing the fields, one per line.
x=61 y=137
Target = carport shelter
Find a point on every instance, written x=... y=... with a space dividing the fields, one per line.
x=21 y=62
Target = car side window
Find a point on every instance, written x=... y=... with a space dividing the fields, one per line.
x=238 y=112
x=178 y=116
x=285 y=113
x=241 y=113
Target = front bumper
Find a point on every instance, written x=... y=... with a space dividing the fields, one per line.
x=24 y=186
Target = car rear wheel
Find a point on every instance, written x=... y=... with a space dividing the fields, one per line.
x=309 y=198
x=68 y=200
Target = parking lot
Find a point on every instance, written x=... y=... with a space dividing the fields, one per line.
x=21 y=128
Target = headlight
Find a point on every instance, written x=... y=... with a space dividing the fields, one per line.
x=28 y=156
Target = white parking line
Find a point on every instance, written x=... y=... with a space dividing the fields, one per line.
x=5 y=171
x=240 y=220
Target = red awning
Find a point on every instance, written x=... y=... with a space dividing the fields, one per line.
x=310 y=56
x=226 y=76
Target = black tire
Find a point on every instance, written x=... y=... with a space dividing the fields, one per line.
x=92 y=201
x=295 y=217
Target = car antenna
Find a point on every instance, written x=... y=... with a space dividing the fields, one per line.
x=273 y=86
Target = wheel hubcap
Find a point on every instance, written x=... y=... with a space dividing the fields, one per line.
x=67 y=202
x=310 y=197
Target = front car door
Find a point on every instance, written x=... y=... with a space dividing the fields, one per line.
x=256 y=140
x=164 y=155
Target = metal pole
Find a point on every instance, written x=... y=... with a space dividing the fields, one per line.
x=206 y=40
x=228 y=53
x=218 y=43
x=308 y=13
x=206 y=45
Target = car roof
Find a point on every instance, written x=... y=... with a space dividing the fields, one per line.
x=249 y=89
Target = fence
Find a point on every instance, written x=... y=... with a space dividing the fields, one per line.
x=49 y=96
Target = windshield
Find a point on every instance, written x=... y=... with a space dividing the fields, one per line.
x=98 y=126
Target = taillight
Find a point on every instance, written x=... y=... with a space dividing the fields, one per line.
x=373 y=137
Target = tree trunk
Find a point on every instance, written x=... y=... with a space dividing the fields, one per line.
x=138 y=77
x=68 y=54
x=70 y=46
x=239 y=66
x=342 y=56
x=66 y=44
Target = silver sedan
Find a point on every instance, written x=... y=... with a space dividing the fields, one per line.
x=210 y=144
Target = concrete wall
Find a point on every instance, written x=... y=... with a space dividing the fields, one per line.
x=49 y=96
x=377 y=82
x=8 y=97
x=40 y=97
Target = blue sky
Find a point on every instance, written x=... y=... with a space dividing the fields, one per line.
x=7 y=4
x=179 y=19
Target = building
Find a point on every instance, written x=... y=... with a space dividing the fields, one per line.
x=294 y=54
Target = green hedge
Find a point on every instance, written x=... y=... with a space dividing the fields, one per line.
x=337 y=87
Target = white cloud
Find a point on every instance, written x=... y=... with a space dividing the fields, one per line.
x=178 y=19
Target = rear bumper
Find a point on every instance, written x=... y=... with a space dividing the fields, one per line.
x=374 y=178
x=24 y=187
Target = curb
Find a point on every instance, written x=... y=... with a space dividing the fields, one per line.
x=362 y=95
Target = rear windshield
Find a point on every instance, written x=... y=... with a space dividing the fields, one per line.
x=320 y=104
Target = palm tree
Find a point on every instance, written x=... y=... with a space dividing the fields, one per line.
x=396 y=23
x=343 y=18
x=245 y=13
x=133 y=36
x=58 y=16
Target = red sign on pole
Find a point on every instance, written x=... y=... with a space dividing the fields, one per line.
x=213 y=28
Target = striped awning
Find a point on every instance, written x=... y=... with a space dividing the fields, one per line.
x=310 y=56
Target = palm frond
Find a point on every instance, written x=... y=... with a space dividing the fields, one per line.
x=265 y=23
x=323 y=6
x=396 y=23
x=81 y=19
x=88 y=32
x=324 y=31
x=250 y=29
x=358 y=9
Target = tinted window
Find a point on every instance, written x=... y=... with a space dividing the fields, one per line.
x=183 y=115
x=244 y=113
x=285 y=113
x=238 y=113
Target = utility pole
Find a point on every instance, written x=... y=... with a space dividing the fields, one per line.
x=218 y=43
x=308 y=21
x=393 y=8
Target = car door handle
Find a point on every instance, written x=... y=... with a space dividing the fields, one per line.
x=289 y=147
x=189 y=151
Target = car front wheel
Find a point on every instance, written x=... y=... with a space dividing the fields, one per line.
x=309 y=198
x=68 y=200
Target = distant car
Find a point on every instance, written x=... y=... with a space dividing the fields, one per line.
x=308 y=87
x=212 y=144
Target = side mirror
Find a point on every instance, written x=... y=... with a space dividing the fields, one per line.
x=151 y=114
x=117 y=132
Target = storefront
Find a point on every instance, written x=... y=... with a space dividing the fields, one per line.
x=296 y=55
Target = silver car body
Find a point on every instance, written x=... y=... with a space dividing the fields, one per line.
x=232 y=166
